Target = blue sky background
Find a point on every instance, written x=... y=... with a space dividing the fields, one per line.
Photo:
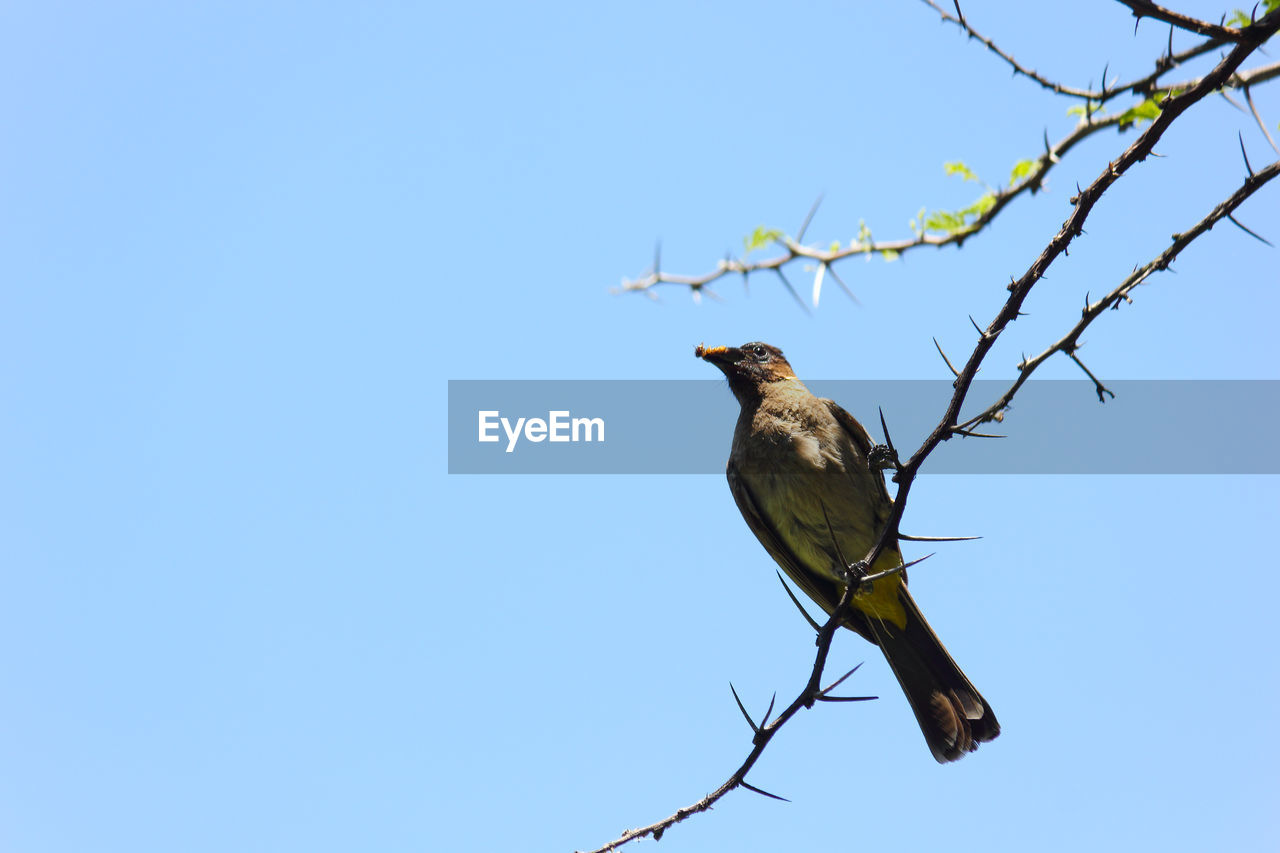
x=244 y=607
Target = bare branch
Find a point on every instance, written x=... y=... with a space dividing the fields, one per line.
x=1001 y=198
x=1144 y=9
x=960 y=21
x=811 y=693
x=1070 y=341
x=1171 y=108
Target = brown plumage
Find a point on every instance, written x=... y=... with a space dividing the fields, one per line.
x=799 y=473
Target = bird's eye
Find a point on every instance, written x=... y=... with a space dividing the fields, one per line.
x=758 y=351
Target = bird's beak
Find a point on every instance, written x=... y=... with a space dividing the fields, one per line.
x=721 y=357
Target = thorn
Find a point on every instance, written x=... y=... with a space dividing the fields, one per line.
x=885 y=428
x=794 y=295
x=895 y=570
x=846 y=698
x=1244 y=154
x=743 y=709
x=818 y=276
x=1169 y=49
x=1230 y=100
x=769 y=710
x=1258 y=118
x=804 y=226
x=833 y=685
x=805 y=613
x=839 y=554
x=976 y=326
x=959 y=14
x=761 y=792
x=905 y=538
x=657 y=258
x=968 y=433
x=954 y=372
x=831 y=270
x=1247 y=231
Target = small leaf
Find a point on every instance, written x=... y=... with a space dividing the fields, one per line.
x=889 y=254
x=760 y=237
x=1082 y=110
x=1022 y=169
x=956 y=167
x=1148 y=110
x=942 y=220
x=979 y=207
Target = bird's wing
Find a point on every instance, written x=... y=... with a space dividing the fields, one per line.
x=822 y=590
x=861 y=440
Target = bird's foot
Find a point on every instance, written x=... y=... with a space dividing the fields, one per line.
x=882 y=458
x=855 y=573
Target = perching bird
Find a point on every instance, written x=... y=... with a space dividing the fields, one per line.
x=799 y=473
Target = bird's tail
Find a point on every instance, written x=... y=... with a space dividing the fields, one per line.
x=952 y=713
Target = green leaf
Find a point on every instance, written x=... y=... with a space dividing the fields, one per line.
x=761 y=237
x=953 y=222
x=1148 y=110
x=941 y=220
x=957 y=168
x=1240 y=18
x=981 y=206
x=1022 y=169
x=1082 y=111
x=889 y=254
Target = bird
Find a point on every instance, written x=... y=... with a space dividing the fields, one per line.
x=800 y=474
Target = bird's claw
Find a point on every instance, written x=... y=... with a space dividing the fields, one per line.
x=855 y=572
x=882 y=458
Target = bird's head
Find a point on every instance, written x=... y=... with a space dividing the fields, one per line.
x=749 y=368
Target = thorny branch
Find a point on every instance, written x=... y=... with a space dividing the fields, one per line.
x=1144 y=9
x=1070 y=342
x=1144 y=86
x=763 y=732
x=1092 y=121
x=1172 y=107
x=1083 y=203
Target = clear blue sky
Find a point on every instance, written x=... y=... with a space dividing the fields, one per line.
x=244 y=607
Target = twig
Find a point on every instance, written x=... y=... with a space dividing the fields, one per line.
x=1001 y=198
x=1084 y=201
x=1144 y=9
x=1092 y=310
x=763 y=734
